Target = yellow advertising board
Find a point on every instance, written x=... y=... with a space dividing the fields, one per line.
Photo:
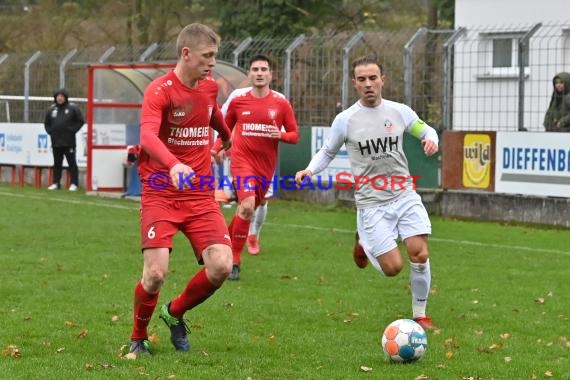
x=476 y=161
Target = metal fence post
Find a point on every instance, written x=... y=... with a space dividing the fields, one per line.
x=106 y=54
x=62 y=65
x=408 y=64
x=448 y=75
x=149 y=50
x=523 y=44
x=346 y=69
x=241 y=47
x=287 y=74
x=27 y=65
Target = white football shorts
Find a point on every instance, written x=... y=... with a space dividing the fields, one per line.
x=380 y=227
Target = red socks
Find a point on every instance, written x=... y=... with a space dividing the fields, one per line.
x=238 y=233
x=199 y=288
x=144 y=306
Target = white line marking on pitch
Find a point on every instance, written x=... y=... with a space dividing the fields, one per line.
x=317 y=228
x=435 y=239
x=72 y=201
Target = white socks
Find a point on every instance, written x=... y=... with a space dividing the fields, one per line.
x=420 y=281
x=258 y=219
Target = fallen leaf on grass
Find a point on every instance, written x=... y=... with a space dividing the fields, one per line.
x=449 y=354
x=539 y=300
x=115 y=318
x=495 y=346
x=106 y=365
x=508 y=359
x=88 y=366
x=422 y=377
x=130 y=356
x=548 y=374
x=474 y=302
x=69 y=324
x=478 y=332
x=153 y=338
x=172 y=376
x=365 y=369
x=505 y=335
x=285 y=277
x=123 y=350
x=60 y=350
x=441 y=365
x=12 y=351
x=83 y=334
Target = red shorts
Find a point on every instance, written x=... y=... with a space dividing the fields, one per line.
x=200 y=220
x=247 y=185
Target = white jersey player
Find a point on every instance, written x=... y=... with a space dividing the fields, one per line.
x=388 y=206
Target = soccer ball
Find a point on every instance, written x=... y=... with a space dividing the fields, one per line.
x=404 y=341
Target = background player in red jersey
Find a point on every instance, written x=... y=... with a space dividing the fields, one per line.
x=177 y=113
x=256 y=118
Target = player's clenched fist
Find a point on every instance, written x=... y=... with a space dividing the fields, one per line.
x=300 y=176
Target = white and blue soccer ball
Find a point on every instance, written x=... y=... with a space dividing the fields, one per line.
x=404 y=341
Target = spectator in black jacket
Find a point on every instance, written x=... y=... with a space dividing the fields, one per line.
x=63 y=120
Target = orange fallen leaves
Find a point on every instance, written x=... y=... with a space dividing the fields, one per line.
x=153 y=338
x=12 y=351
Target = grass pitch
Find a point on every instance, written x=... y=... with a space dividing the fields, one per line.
x=302 y=309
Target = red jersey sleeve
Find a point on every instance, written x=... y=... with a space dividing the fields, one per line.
x=231 y=117
x=217 y=122
x=291 y=134
x=154 y=102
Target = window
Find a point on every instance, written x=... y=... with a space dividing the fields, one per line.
x=500 y=55
x=505 y=53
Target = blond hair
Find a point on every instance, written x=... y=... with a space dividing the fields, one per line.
x=194 y=34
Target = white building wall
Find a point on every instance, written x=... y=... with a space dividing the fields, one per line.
x=510 y=12
x=486 y=98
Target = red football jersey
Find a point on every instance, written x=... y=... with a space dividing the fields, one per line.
x=253 y=150
x=175 y=127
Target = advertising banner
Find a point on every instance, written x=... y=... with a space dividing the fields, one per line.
x=468 y=160
x=533 y=163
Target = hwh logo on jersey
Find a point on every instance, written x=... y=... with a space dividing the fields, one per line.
x=379 y=145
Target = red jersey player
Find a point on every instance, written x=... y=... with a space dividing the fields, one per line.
x=256 y=118
x=177 y=113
